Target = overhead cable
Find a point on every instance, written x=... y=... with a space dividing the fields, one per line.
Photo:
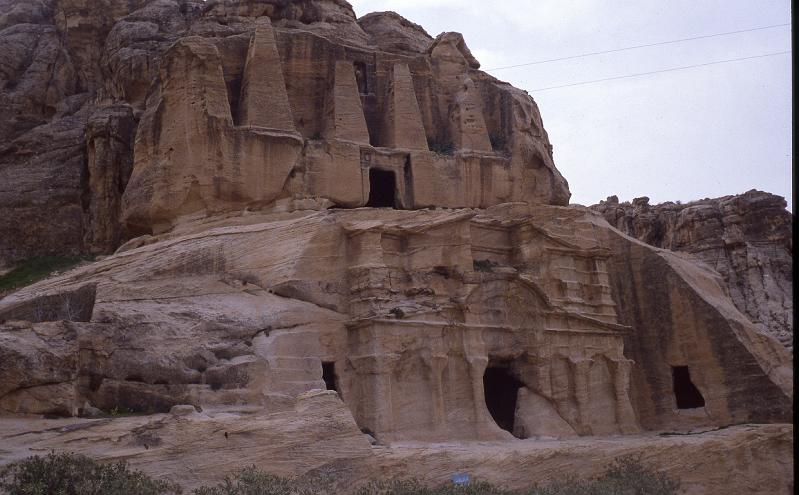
x=591 y=54
x=661 y=71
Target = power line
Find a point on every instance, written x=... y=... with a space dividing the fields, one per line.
x=591 y=54
x=661 y=71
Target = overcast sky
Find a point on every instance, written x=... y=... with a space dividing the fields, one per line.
x=682 y=135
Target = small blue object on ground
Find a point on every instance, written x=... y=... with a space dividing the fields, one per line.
x=460 y=479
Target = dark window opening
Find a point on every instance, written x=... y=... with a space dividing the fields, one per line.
x=361 y=78
x=686 y=393
x=329 y=376
x=501 y=391
x=382 y=189
x=234 y=96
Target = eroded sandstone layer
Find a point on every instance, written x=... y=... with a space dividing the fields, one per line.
x=122 y=117
x=299 y=201
x=748 y=239
x=416 y=318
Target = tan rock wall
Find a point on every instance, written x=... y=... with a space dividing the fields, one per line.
x=346 y=119
x=746 y=238
x=264 y=102
x=191 y=159
x=477 y=308
x=110 y=54
x=433 y=299
x=676 y=325
x=403 y=128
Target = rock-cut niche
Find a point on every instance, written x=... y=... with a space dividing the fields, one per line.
x=329 y=376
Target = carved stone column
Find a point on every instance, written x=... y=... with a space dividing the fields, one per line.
x=581 y=393
x=477 y=359
x=436 y=364
x=624 y=409
x=376 y=408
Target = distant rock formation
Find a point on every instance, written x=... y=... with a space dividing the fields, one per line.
x=747 y=238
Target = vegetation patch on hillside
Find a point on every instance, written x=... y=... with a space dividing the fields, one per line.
x=35 y=269
x=71 y=474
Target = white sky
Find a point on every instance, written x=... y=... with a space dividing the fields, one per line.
x=682 y=135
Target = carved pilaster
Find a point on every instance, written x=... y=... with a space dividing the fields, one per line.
x=621 y=369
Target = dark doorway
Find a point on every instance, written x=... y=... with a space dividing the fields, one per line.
x=329 y=376
x=361 y=78
x=501 y=391
x=382 y=188
x=686 y=393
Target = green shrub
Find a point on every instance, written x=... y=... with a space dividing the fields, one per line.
x=625 y=476
x=71 y=474
x=441 y=147
x=253 y=481
x=393 y=487
x=36 y=269
x=484 y=265
x=414 y=487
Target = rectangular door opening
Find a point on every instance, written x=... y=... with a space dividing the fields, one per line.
x=686 y=393
x=329 y=376
x=382 y=189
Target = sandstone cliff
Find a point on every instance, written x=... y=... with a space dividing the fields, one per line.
x=86 y=83
x=747 y=238
x=448 y=325
x=326 y=232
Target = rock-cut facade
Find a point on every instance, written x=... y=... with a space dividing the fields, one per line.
x=298 y=200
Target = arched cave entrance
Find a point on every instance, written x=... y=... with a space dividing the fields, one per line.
x=501 y=391
x=329 y=376
x=382 y=189
x=686 y=393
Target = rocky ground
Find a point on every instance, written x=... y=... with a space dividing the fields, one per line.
x=200 y=448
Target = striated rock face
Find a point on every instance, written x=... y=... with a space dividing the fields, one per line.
x=325 y=227
x=248 y=312
x=747 y=238
x=68 y=68
x=244 y=78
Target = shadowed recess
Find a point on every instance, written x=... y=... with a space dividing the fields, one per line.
x=329 y=376
x=501 y=391
x=382 y=189
x=686 y=393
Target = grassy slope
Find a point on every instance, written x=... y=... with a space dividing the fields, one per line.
x=36 y=269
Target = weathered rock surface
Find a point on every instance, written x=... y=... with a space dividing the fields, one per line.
x=747 y=238
x=300 y=200
x=319 y=437
x=50 y=78
x=409 y=304
x=393 y=33
x=182 y=66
